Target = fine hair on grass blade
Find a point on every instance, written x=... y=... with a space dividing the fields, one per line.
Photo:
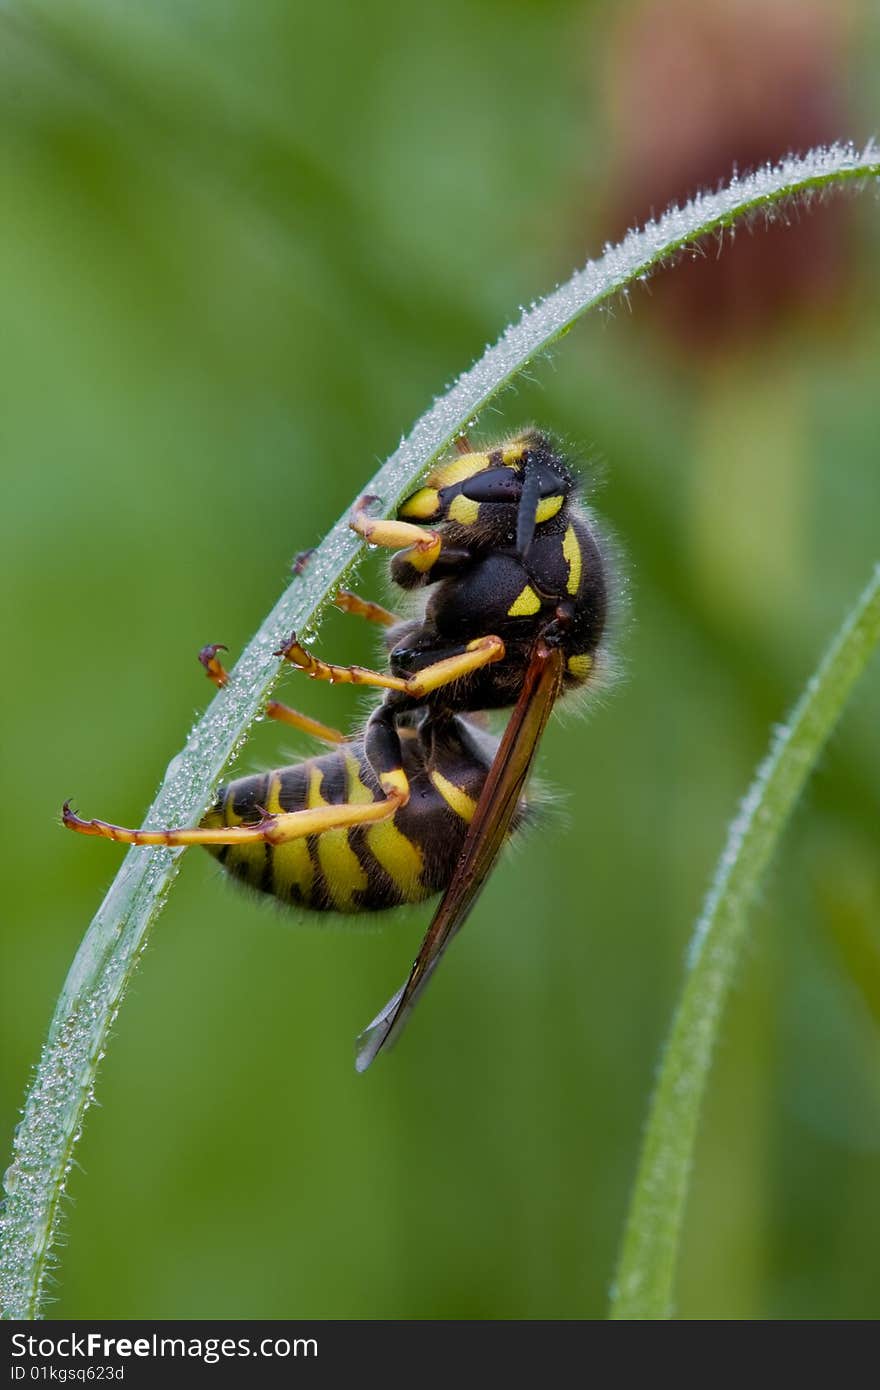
x=62 y=1086
x=646 y=1272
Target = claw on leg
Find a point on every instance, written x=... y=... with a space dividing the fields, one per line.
x=214 y=668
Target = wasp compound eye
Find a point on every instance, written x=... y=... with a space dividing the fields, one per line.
x=495 y=485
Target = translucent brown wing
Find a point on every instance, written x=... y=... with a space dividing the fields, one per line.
x=486 y=835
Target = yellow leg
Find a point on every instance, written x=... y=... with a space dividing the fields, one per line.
x=478 y=653
x=421 y=546
x=216 y=672
x=346 y=602
x=363 y=608
x=285 y=715
x=273 y=829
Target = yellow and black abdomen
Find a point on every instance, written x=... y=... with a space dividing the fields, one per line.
x=369 y=868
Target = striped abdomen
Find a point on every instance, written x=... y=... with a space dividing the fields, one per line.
x=364 y=868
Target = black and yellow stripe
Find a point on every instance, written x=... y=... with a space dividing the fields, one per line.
x=364 y=868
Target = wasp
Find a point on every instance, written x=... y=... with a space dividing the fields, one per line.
x=516 y=579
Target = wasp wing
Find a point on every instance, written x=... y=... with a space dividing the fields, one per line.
x=486 y=835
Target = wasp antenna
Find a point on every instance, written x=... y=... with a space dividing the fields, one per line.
x=526 y=512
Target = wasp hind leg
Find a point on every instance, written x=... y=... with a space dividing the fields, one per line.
x=273 y=829
x=280 y=827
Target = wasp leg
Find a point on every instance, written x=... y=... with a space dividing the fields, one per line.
x=274 y=709
x=420 y=547
x=451 y=561
x=382 y=747
x=214 y=668
x=347 y=602
x=461 y=662
x=285 y=715
x=272 y=829
x=363 y=608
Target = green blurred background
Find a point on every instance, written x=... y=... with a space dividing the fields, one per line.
x=242 y=246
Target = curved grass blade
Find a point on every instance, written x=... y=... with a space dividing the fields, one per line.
x=646 y=1271
x=62 y=1087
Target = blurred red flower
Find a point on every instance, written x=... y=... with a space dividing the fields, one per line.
x=696 y=90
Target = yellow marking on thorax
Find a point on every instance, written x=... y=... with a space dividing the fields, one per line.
x=422 y=504
x=513 y=453
x=463 y=510
x=339 y=864
x=465 y=466
x=580 y=666
x=547 y=507
x=456 y=799
x=571 y=550
x=525 y=604
x=292 y=866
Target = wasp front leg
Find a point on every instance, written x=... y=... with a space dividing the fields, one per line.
x=421 y=548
